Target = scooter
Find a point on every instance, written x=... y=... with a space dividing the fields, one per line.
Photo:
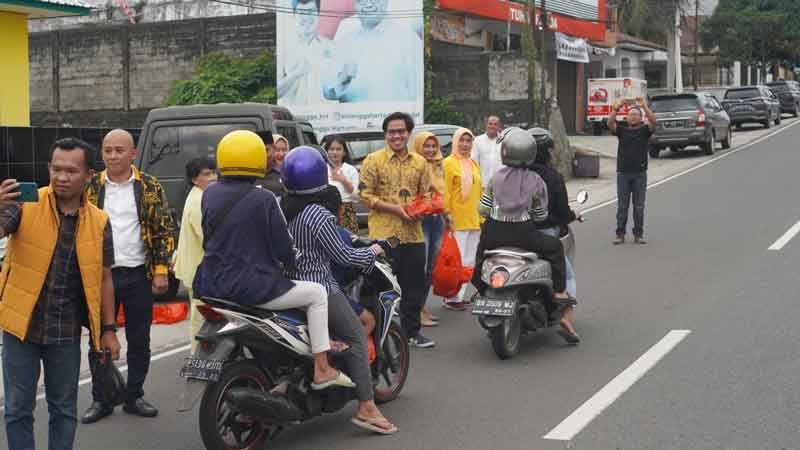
x=520 y=293
x=253 y=367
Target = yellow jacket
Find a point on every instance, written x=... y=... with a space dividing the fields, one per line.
x=463 y=213
x=30 y=250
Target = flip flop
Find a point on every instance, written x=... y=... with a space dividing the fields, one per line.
x=429 y=323
x=570 y=338
x=341 y=380
x=374 y=424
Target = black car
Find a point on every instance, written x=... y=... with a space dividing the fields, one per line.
x=752 y=104
x=788 y=92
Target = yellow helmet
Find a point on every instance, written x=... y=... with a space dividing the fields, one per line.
x=242 y=153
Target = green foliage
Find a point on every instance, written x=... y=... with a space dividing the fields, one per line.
x=222 y=78
x=649 y=19
x=439 y=110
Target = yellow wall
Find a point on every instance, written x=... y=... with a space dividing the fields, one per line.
x=14 y=72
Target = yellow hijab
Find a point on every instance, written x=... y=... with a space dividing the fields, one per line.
x=434 y=163
x=464 y=161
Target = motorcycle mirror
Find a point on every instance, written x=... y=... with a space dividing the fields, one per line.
x=583 y=197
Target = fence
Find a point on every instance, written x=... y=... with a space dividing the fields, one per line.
x=25 y=151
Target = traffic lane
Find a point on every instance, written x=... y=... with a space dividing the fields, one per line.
x=733 y=384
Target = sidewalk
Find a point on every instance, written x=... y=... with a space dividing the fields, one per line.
x=604 y=188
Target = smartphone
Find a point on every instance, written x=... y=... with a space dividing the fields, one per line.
x=30 y=192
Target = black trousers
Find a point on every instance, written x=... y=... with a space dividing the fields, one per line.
x=523 y=235
x=410 y=267
x=132 y=291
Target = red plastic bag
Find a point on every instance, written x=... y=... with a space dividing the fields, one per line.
x=422 y=206
x=448 y=273
x=163 y=313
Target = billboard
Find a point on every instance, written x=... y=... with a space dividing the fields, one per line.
x=346 y=64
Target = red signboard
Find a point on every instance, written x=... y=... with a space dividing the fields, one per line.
x=519 y=13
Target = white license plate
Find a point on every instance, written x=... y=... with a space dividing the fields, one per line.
x=201 y=369
x=494 y=307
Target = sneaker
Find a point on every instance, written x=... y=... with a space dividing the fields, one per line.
x=620 y=239
x=639 y=240
x=454 y=305
x=421 y=341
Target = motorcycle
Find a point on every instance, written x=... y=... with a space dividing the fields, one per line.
x=519 y=297
x=253 y=367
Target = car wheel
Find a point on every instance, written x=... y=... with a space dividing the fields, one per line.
x=778 y=118
x=767 y=123
x=796 y=111
x=726 y=143
x=655 y=152
x=710 y=146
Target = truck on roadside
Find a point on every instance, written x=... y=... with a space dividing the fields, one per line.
x=603 y=93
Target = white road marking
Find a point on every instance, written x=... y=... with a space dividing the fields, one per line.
x=124 y=368
x=592 y=408
x=697 y=167
x=783 y=240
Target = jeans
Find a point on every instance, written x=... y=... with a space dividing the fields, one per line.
x=572 y=286
x=631 y=184
x=432 y=229
x=21 y=369
x=132 y=291
x=410 y=271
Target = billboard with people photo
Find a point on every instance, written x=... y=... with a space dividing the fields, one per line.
x=346 y=64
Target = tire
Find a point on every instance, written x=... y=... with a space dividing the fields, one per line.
x=778 y=119
x=726 y=143
x=655 y=152
x=767 y=123
x=243 y=373
x=796 y=111
x=393 y=365
x=506 y=337
x=710 y=146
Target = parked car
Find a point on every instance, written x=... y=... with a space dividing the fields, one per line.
x=361 y=143
x=788 y=93
x=173 y=136
x=752 y=104
x=694 y=118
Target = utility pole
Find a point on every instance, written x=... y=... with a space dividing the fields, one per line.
x=696 y=71
x=542 y=59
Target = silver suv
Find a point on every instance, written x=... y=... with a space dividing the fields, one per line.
x=684 y=120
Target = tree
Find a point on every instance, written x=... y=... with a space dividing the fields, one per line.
x=437 y=109
x=649 y=19
x=222 y=78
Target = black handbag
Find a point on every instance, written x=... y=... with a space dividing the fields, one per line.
x=111 y=383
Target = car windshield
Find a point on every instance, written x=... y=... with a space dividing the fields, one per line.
x=361 y=146
x=674 y=104
x=779 y=87
x=742 y=93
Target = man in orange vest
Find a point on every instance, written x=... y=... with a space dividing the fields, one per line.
x=56 y=277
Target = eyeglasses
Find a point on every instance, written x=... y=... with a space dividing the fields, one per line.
x=397 y=132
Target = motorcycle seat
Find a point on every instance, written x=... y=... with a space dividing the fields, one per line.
x=513 y=251
x=252 y=310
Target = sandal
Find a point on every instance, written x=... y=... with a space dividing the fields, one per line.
x=379 y=425
x=429 y=323
x=341 y=380
x=570 y=337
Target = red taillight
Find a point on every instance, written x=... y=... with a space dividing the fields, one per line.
x=701 y=119
x=209 y=314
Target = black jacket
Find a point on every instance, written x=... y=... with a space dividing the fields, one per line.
x=559 y=212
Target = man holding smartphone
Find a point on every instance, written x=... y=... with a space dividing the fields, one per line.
x=144 y=240
x=632 y=165
x=56 y=277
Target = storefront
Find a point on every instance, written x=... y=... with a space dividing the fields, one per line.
x=14 y=71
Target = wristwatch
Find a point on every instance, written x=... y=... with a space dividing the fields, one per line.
x=105 y=328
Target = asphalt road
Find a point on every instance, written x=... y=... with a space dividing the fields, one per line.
x=729 y=384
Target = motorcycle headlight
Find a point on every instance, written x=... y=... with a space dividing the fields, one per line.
x=498 y=277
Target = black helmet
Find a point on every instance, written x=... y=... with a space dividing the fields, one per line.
x=544 y=140
x=518 y=148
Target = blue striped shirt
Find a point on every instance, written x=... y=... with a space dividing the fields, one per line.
x=316 y=237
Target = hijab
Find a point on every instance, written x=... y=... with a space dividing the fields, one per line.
x=329 y=198
x=434 y=163
x=514 y=188
x=465 y=162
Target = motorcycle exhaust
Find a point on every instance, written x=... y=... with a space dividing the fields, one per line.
x=264 y=406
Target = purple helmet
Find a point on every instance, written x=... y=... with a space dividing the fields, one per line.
x=304 y=171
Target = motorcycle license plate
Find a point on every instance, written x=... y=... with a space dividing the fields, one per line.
x=201 y=369
x=494 y=307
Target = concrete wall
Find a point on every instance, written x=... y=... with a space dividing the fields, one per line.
x=111 y=76
x=14 y=73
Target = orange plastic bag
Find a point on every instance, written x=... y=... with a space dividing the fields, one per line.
x=163 y=313
x=422 y=206
x=448 y=272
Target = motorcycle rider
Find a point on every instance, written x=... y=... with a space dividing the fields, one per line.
x=510 y=202
x=311 y=207
x=246 y=243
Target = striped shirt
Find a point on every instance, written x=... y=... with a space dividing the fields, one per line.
x=537 y=211
x=316 y=237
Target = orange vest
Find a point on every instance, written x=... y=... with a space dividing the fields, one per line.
x=28 y=255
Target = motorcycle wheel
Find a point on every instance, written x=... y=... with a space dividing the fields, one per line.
x=392 y=365
x=222 y=428
x=506 y=337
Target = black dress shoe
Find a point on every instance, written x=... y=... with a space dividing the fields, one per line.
x=141 y=408
x=97 y=411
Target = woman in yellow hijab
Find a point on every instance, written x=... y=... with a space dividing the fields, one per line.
x=427 y=145
x=462 y=179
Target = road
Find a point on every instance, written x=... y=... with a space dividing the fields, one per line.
x=728 y=384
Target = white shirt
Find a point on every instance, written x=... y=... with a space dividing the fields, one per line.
x=351 y=173
x=120 y=205
x=486 y=152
